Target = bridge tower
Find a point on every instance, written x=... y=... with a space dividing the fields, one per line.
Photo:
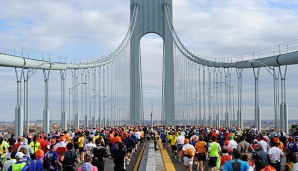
x=151 y=18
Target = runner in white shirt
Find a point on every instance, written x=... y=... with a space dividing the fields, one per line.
x=264 y=144
x=138 y=136
x=232 y=143
x=274 y=156
x=180 y=142
x=187 y=160
x=89 y=146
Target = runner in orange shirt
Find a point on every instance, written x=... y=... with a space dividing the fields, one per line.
x=201 y=153
x=142 y=136
x=111 y=137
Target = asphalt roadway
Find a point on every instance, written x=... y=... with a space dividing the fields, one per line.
x=109 y=164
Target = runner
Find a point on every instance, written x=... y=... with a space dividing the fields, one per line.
x=173 y=140
x=214 y=149
x=20 y=164
x=52 y=155
x=99 y=154
x=81 y=142
x=188 y=152
x=87 y=166
x=69 y=158
x=201 y=153
x=180 y=142
x=89 y=146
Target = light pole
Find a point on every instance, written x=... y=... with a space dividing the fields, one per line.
x=104 y=112
x=114 y=112
x=229 y=91
x=118 y=115
x=210 y=100
x=70 y=90
x=91 y=100
x=151 y=113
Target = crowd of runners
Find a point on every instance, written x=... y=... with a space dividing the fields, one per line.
x=197 y=148
x=83 y=150
x=231 y=149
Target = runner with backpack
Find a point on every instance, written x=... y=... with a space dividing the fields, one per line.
x=99 y=154
x=69 y=158
x=188 y=153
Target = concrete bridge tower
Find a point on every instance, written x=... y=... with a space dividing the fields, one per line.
x=151 y=18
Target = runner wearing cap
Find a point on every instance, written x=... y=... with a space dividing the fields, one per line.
x=37 y=163
x=20 y=164
x=10 y=159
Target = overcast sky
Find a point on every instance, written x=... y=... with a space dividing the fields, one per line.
x=79 y=30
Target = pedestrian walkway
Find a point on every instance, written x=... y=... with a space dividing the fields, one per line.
x=147 y=158
x=151 y=159
x=109 y=164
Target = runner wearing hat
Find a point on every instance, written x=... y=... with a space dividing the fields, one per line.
x=20 y=164
x=37 y=163
x=10 y=159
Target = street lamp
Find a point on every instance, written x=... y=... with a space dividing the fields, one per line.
x=210 y=100
x=104 y=112
x=229 y=90
x=151 y=113
x=70 y=90
x=114 y=112
x=119 y=115
x=91 y=99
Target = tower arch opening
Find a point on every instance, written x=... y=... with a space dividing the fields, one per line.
x=151 y=52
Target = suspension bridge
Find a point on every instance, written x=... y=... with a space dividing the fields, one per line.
x=195 y=90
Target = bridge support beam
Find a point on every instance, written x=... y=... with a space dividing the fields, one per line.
x=26 y=101
x=99 y=98
x=46 y=112
x=63 y=110
x=19 y=109
x=239 y=111
x=257 y=102
x=210 y=114
x=200 y=96
x=84 y=96
x=227 y=72
x=204 y=98
x=283 y=106
x=94 y=99
x=75 y=76
x=217 y=97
